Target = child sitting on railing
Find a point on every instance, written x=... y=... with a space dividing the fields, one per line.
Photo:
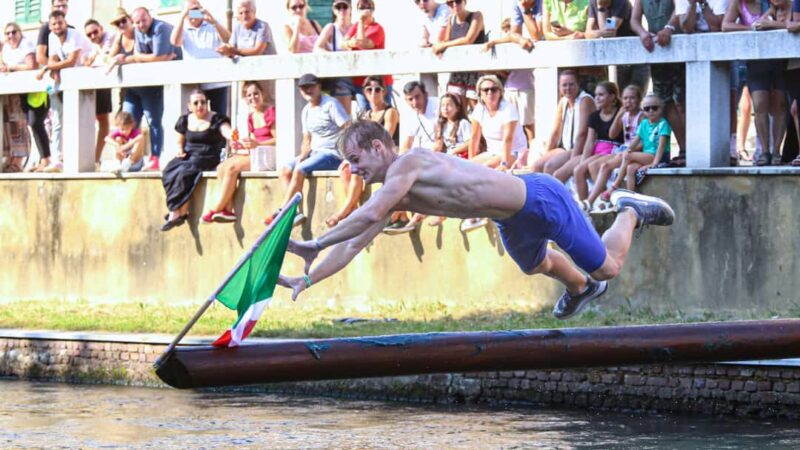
x=128 y=143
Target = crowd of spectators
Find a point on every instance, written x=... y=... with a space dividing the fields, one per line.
x=600 y=128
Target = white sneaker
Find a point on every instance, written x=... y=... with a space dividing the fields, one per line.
x=125 y=165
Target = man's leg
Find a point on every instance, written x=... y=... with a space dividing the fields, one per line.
x=56 y=119
x=153 y=106
x=617 y=241
x=102 y=132
x=557 y=266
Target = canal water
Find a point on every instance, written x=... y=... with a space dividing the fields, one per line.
x=34 y=415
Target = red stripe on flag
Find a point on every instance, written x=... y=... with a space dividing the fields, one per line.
x=223 y=340
x=248 y=328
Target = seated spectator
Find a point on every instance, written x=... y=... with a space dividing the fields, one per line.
x=201 y=135
x=793 y=81
x=323 y=118
x=453 y=132
x=519 y=83
x=301 y=33
x=101 y=47
x=564 y=19
x=649 y=147
x=200 y=40
x=251 y=36
x=367 y=34
x=382 y=113
x=128 y=143
x=463 y=28
x=124 y=42
x=261 y=131
x=18 y=54
x=601 y=143
x=669 y=80
x=569 y=131
x=332 y=39
x=497 y=121
x=626 y=122
x=764 y=77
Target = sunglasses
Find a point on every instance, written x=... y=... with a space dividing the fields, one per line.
x=649 y=108
x=373 y=89
x=420 y=1
x=122 y=22
x=450 y=3
x=493 y=89
x=12 y=32
x=342 y=6
x=298 y=7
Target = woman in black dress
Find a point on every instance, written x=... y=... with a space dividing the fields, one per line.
x=202 y=134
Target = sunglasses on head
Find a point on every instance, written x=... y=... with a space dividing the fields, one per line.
x=492 y=89
x=298 y=7
x=454 y=2
x=649 y=108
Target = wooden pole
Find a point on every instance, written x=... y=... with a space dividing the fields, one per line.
x=324 y=359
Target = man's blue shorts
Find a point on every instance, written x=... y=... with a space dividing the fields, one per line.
x=550 y=214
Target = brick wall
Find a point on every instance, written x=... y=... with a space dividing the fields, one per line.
x=763 y=391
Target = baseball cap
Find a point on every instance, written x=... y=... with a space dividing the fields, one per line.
x=308 y=79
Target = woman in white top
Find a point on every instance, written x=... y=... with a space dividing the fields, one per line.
x=330 y=40
x=497 y=121
x=570 y=129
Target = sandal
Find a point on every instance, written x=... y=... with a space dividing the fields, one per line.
x=764 y=159
x=795 y=162
x=776 y=159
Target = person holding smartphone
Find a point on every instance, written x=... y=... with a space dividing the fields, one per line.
x=608 y=19
x=565 y=19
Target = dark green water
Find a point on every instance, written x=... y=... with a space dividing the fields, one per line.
x=36 y=415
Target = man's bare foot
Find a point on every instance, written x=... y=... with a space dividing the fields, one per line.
x=334 y=219
x=437 y=221
x=416 y=219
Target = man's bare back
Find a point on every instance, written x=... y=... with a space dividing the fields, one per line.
x=449 y=186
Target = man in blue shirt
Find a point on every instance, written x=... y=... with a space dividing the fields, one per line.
x=152 y=45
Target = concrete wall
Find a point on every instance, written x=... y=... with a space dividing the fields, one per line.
x=733 y=246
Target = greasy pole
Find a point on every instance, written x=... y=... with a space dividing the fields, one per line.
x=324 y=359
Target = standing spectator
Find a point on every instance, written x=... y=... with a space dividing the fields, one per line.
x=434 y=21
x=19 y=54
x=66 y=48
x=565 y=19
x=42 y=59
x=200 y=40
x=568 y=135
x=527 y=13
x=261 y=131
x=463 y=28
x=497 y=121
x=381 y=112
x=201 y=133
x=764 y=77
x=125 y=40
x=323 y=118
x=101 y=47
x=669 y=80
x=301 y=33
x=251 y=36
x=367 y=34
x=601 y=141
x=152 y=45
x=612 y=18
x=793 y=82
x=331 y=40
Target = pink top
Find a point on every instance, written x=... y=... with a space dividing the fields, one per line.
x=305 y=43
x=747 y=18
x=630 y=127
x=117 y=133
x=264 y=133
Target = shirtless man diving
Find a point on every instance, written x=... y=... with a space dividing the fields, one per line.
x=529 y=210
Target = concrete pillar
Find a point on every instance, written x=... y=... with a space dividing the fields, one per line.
x=79 y=131
x=546 y=86
x=708 y=127
x=288 y=105
x=176 y=99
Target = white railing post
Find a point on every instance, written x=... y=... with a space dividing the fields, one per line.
x=78 y=131
x=546 y=88
x=288 y=106
x=708 y=129
x=176 y=97
x=2 y=130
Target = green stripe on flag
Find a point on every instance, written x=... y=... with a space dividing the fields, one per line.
x=256 y=279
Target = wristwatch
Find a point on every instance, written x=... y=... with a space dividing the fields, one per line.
x=530 y=11
x=503 y=163
x=669 y=27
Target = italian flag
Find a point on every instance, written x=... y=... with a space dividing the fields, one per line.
x=250 y=289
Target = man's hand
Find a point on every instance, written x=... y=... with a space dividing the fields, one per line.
x=306 y=250
x=647 y=42
x=40 y=73
x=664 y=37
x=296 y=284
x=439 y=48
x=488 y=46
x=226 y=50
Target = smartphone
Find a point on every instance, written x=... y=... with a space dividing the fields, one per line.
x=554 y=23
x=196 y=14
x=611 y=23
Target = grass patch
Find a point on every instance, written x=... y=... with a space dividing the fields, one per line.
x=318 y=320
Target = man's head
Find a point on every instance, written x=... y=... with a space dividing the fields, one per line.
x=246 y=13
x=142 y=19
x=310 y=88
x=416 y=96
x=365 y=8
x=426 y=5
x=525 y=4
x=59 y=5
x=94 y=31
x=194 y=5
x=369 y=149
x=58 y=23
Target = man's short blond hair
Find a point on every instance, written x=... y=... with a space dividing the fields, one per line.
x=361 y=133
